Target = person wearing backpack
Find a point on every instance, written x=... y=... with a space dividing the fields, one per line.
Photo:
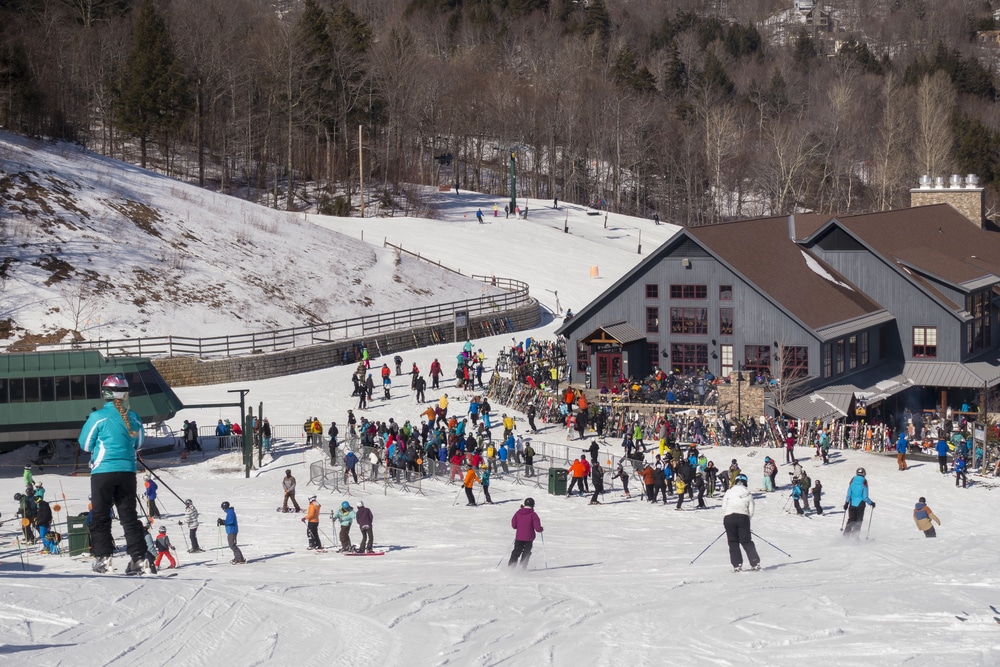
x=925 y=518
x=27 y=509
x=796 y=496
x=804 y=484
x=399 y=364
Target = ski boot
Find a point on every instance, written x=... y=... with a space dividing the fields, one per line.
x=101 y=564
x=737 y=568
x=756 y=568
x=138 y=566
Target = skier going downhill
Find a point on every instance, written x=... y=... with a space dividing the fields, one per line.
x=525 y=524
x=737 y=508
x=854 y=505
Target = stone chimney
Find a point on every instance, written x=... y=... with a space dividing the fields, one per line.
x=964 y=195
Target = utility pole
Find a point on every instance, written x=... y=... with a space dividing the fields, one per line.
x=513 y=180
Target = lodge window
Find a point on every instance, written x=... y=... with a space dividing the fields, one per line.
x=841 y=348
x=49 y=388
x=883 y=342
x=689 y=320
x=795 y=361
x=727 y=359
x=652 y=291
x=827 y=360
x=652 y=320
x=654 y=353
x=582 y=356
x=725 y=292
x=852 y=352
x=924 y=341
x=688 y=291
x=687 y=358
x=864 y=348
x=725 y=321
x=758 y=359
x=978 y=330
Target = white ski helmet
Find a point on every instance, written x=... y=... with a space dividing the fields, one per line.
x=114 y=387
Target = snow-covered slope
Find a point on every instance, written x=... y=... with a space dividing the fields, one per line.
x=106 y=249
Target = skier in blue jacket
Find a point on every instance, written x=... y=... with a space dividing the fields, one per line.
x=942 y=454
x=113 y=435
x=232 y=532
x=854 y=505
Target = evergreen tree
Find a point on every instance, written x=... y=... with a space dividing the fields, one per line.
x=153 y=95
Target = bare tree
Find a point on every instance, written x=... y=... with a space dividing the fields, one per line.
x=789 y=370
x=890 y=151
x=934 y=104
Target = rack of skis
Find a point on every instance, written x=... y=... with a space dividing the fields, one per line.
x=714 y=428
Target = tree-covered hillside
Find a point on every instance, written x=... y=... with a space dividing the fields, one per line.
x=697 y=110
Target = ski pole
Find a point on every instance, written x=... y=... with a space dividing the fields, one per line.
x=766 y=542
x=502 y=557
x=870 y=517
x=186 y=545
x=20 y=552
x=544 y=557
x=218 y=549
x=330 y=539
x=844 y=522
x=706 y=548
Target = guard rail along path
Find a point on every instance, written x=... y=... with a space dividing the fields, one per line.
x=184 y=361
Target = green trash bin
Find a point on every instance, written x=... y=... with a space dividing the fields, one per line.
x=557 y=481
x=79 y=536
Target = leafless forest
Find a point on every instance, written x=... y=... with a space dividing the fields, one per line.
x=698 y=111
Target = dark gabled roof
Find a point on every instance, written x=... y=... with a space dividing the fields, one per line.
x=936 y=239
x=763 y=252
x=805 y=224
x=623 y=332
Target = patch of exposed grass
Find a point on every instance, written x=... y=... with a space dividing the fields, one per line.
x=144 y=217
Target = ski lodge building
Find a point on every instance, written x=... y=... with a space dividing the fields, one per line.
x=854 y=309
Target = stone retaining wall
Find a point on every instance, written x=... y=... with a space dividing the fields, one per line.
x=192 y=371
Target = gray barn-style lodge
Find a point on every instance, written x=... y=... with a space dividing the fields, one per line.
x=858 y=308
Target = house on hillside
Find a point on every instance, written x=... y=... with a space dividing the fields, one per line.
x=853 y=309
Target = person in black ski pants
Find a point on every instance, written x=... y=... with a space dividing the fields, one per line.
x=659 y=483
x=737 y=508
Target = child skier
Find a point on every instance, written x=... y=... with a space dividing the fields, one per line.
x=817 y=494
x=311 y=519
x=163 y=548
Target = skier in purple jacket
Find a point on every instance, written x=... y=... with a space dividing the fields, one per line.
x=525 y=524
